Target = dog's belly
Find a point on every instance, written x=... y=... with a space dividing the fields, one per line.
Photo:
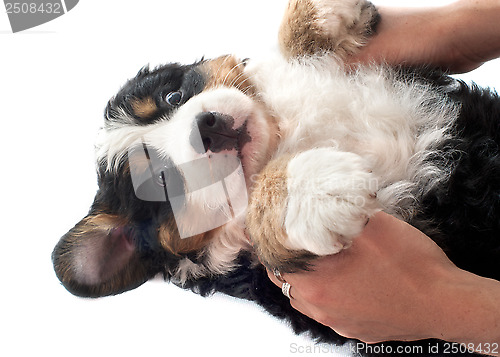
x=392 y=122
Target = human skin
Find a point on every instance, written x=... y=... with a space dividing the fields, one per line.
x=395 y=283
x=458 y=37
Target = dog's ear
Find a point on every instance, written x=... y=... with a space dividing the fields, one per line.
x=99 y=257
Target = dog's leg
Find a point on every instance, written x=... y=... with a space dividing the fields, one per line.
x=309 y=205
x=339 y=27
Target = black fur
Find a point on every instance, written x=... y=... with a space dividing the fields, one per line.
x=465 y=211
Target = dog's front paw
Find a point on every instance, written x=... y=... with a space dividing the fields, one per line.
x=331 y=195
x=317 y=26
x=308 y=205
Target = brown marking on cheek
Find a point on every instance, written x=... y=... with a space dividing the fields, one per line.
x=227 y=71
x=266 y=217
x=170 y=240
x=144 y=108
x=137 y=162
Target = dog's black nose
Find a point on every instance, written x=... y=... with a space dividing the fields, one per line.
x=216 y=132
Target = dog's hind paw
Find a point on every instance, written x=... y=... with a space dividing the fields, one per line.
x=318 y=26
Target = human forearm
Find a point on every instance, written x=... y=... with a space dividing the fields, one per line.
x=457 y=37
x=469 y=312
x=473 y=28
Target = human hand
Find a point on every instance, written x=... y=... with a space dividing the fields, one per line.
x=375 y=290
x=395 y=283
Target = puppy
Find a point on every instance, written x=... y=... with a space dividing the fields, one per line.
x=209 y=169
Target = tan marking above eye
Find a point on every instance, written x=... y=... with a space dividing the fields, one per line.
x=144 y=108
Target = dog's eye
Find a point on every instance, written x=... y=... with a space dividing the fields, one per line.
x=173 y=98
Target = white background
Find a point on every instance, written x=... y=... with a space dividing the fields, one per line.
x=55 y=80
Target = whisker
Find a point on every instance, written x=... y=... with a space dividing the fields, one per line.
x=242 y=78
x=230 y=71
x=248 y=86
x=236 y=79
x=247 y=89
x=220 y=67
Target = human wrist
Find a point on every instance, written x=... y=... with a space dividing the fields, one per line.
x=473 y=31
x=468 y=311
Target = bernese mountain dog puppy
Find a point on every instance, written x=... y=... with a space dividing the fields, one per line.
x=210 y=172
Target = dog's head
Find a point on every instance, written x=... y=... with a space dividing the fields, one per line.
x=175 y=160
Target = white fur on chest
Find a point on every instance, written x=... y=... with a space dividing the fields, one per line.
x=392 y=124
